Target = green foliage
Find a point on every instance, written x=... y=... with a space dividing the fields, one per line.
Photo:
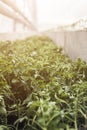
x=43 y=89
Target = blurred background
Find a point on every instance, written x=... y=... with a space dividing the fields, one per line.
x=38 y=15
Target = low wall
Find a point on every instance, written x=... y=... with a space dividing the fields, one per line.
x=57 y=37
x=74 y=42
x=14 y=36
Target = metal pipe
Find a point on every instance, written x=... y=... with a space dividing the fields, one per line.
x=15 y=8
x=8 y=13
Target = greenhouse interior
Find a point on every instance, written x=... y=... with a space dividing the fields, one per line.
x=43 y=65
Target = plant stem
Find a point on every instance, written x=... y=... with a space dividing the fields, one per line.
x=76 y=109
x=76 y=128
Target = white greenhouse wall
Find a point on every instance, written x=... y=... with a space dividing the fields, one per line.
x=6 y=24
x=73 y=42
x=57 y=37
x=76 y=44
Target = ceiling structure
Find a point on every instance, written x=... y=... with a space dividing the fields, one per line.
x=10 y=9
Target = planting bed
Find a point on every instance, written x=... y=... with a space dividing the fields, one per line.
x=40 y=87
